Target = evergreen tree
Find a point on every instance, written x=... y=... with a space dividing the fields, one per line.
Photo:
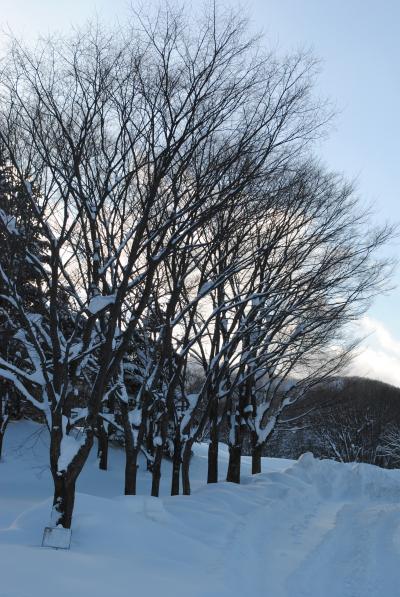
x=22 y=255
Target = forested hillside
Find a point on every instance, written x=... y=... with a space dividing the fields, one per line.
x=348 y=419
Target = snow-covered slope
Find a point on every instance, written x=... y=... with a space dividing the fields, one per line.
x=302 y=529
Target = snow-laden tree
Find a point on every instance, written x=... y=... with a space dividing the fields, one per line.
x=319 y=277
x=278 y=321
x=337 y=274
x=388 y=449
x=134 y=139
x=21 y=247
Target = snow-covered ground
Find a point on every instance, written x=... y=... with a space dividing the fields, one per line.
x=301 y=529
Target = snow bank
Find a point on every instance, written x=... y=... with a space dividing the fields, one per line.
x=302 y=529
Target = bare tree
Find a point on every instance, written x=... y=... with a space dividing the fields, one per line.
x=319 y=277
x=116 y=130
x=312 y=271
x=167 y=171
x=388 y=449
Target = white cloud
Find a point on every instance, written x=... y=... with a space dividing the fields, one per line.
x=379 y=356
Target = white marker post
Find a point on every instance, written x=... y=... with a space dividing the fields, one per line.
x=56 y=538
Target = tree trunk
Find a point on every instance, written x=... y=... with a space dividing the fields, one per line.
x=187 y=452
x=64 y=481
x=150 y=448
x=176 y=465
x=102 y=443
x=212 y=475
x=233 y=474
x=155 y=485
x=64 y=499
x=256 y=457
x=131 y=451
x=4 y=420
x=3 y=427
x=131 y=455
x=1 y=443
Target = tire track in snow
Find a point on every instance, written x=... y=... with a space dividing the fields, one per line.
x=356 y=558
x=273 y=539
x=318 y=529
x=316 y=538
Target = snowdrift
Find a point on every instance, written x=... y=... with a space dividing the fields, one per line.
x=309 y=528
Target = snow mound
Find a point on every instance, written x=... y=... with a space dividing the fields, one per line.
x=309 y=528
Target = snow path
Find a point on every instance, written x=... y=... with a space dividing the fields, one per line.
x=279 y=551
x=358 y=567
x=315 y=548
x=303 y=529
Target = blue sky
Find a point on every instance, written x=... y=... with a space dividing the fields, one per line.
x=358 y=44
